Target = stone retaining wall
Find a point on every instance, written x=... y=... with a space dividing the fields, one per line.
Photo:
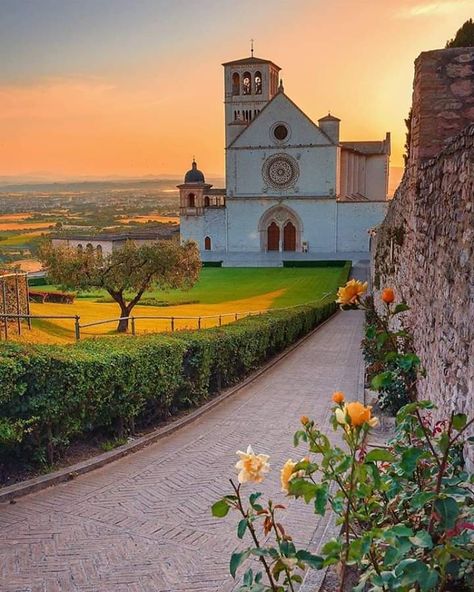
x=424 y=247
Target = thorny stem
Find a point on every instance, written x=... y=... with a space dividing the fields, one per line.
x=254 y=535
x=278 y=538
x=441 y=472
x=420 y=421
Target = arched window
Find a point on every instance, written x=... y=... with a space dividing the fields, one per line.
x=99 y=250
x=235 y=84
x=207 y=201
x=246 y=84
x=207 y=243
x=89 y=248
x=258 y=83
x=191 y=200
x=79 y=248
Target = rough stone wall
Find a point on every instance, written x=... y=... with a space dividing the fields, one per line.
x=443 y=99
x=424 y=249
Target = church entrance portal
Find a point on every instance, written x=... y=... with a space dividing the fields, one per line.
x=289 y=237
x=273 y=237
x=280 y=230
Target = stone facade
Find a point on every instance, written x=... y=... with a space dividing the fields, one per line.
x=424 y=248
x=292 y=186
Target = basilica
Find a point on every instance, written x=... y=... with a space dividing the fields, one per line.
x=293 y=190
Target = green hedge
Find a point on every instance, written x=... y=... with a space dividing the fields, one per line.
x=212 y=263
x=38 y=281
x=328 y=263
x=51 y=394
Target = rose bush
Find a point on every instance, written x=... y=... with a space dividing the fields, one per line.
x=406 y=510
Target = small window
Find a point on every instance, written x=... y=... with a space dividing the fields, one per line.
x=99 y=250
x=258 y=83
x=191 y=200
x=246 y=84
x=235 y=84
x=79 y=248
x=207 y=201
x=89 y=248
x=207 y=243
x=280 y=132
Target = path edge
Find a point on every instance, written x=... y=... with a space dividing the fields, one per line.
x=17 y=490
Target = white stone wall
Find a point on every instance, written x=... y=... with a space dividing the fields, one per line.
x=212 y=224
x=354 y=220
x=376 y=176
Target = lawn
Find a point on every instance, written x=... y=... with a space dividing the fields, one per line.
x=220 y=291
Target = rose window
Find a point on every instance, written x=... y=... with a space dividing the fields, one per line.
x=280 y=171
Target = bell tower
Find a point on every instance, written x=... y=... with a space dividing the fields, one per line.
x=249 y=84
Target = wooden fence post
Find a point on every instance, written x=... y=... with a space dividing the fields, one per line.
x=77 y=327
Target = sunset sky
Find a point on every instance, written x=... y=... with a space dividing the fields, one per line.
x=135 y=87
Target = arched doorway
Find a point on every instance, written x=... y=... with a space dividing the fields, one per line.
x=207 y=243
x=289 y=237
x=273 y=237
x=281 y=229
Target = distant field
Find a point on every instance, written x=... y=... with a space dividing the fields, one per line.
x=151 y=218
x=219 y=291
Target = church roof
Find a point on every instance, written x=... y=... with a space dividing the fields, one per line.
x=194 y=175
x=278 y=94
x=368 y=147
x=329 y=117
x=250 y=60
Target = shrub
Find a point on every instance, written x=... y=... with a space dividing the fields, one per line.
x=61 y=392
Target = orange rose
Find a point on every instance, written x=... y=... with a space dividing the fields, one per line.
x=388 y=295
x=338 y=397
x=358 y=414
x=304 y=419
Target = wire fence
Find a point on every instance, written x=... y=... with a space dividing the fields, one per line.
x=170 y=323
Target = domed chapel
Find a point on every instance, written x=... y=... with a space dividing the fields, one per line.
x=293 y=190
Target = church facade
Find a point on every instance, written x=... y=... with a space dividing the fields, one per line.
x=294 y=190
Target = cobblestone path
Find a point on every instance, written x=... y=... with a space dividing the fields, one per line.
x=143 y=523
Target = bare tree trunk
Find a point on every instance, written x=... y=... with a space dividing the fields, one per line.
x=125 y=309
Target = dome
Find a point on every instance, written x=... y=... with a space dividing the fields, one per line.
x=194 y=175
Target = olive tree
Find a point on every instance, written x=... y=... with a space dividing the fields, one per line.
x=126 y=273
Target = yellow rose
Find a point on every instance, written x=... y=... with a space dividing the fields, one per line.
x=359 y=414
x=341 y=415
x=251 y=466
x=351 y=292
x=286 y=474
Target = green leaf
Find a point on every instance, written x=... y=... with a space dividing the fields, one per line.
x=241 y=528
x=302 y=488
x=448 y=510
x=321 y=499
x=253 y=497
x=421 y=498
x=410 y=458
x=220 y=508
x=399 y=530
x=379 y=454
x=422 y=539
x=236 y=560
x=411 y=571
x=429 y=581
x=248 y=577
x=382 y=380
x=314 y=561
x=402 y=307
x=459 y=421
x=408 y=361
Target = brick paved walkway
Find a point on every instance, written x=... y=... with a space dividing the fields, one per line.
x=143 y=524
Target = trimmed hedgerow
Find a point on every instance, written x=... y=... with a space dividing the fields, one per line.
x=51 y=394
